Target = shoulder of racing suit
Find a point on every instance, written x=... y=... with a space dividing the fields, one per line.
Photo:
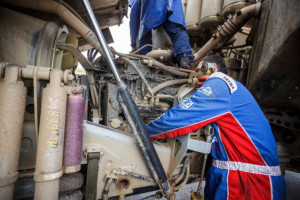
x=228 y=80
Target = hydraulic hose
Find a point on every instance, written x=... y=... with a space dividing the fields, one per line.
x=184 y=168
x=64 y=13
x=141 y=75
x=168 y=84
x=229 y=28
x=108 y=182
x=161 y=54
x=164 y=67
x=186 y=171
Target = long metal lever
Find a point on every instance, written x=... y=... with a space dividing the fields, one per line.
x=132 y=115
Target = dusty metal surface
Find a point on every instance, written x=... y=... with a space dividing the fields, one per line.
x=12 y=107
x=19 y=37
x=211 y=14
x=107 y=12
x=114 y=145
x=51 y=139
x=193 y=16
x=230 y=6
x=92 y=175
x=121 y=161
x=274 y=78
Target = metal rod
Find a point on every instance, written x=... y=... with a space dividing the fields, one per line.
x=132 y=115
x=202 y=174
x=102 y=41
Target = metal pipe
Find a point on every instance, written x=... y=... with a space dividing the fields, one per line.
x=48 y=168
x=161 y=54
x=168 y=83
x=186 y=170
x=64 y=13
x=101 y=39
x=202 y=174
x=74 y=134
x=164 y=67
x=141 y=75
x=229 y=28
x=108 y=182
x=43 y=73
x=12 y=108
x=209 y=131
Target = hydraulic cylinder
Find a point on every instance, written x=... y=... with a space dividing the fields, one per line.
x=12 y=108
x=51 y=139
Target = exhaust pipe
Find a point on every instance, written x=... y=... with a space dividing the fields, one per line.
x=48 y=168
x=229 y=28
x=12 y=108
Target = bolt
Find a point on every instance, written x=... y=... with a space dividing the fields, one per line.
x=296 y=88
x=290 y=98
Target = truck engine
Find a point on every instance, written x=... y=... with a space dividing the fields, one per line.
x=71 y=135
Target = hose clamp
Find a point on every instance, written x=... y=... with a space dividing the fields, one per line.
x=72 y=169
x=47 y=176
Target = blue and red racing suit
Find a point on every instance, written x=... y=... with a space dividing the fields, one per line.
x=245 y=161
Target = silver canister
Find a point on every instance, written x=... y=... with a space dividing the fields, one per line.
x=192 y=16
x=211 y=14
x=230 y=6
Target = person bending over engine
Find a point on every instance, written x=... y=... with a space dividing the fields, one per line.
x=245 y=161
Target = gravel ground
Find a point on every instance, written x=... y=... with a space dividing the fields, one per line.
x=292 y=183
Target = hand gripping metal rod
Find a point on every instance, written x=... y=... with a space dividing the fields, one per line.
x=132 y=115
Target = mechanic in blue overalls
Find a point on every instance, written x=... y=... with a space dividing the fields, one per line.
x=245 y=161
x=149 y=14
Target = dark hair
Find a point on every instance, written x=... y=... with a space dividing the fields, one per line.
x=218 y=60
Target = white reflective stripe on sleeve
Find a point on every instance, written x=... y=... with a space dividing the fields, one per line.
x=246 y=167
x=228 y=80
